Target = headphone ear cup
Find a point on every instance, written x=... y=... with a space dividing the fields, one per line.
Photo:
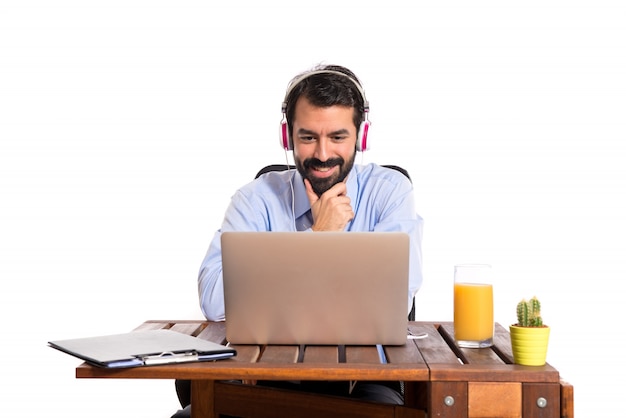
x=361 y=141
x=285 y=140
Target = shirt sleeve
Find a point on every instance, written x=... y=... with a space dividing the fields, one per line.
x=263 y=205
x=239 y=216
x=396 y=213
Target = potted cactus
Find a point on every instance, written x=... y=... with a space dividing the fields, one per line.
x=529 y=336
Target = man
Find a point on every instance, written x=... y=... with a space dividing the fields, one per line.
x=325 y=122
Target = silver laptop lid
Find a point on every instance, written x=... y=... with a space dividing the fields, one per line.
x=316 y=288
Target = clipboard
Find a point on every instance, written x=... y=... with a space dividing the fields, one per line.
x=143 y=348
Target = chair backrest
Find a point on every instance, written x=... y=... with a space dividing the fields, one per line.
x=283 y=167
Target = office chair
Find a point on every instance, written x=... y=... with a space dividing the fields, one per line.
x=183 y=387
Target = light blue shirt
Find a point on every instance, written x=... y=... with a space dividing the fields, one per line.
x=381 y=199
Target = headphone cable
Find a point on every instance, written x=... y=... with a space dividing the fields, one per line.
x=293 y=195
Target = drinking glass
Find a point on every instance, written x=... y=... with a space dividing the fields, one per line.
x=473 y=305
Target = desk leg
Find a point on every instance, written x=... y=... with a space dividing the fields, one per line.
x=567 y=400
x=202 y=394
x=541 y=400
x=447 y=400
x=416 y=395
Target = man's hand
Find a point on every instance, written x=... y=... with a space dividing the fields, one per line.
x=332 y=210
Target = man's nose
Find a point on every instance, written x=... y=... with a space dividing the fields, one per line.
x=322 y=149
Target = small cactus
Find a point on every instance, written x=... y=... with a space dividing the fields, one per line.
x=529 y=313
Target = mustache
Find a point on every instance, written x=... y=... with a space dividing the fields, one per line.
x=314 y=162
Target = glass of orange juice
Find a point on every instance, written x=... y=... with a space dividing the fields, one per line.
x=473 y=305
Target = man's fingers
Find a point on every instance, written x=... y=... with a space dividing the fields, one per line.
x=310 y=193
x=339 y=189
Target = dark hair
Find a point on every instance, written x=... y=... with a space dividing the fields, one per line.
x=325 y=89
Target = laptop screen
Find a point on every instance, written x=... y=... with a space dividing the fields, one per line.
x=316 y=288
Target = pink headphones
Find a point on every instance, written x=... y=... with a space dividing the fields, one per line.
x=361 y=143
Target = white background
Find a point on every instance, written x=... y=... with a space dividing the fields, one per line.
x=125 y=127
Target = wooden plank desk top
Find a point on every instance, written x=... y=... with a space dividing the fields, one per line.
x=440 y=378
x=435 y=358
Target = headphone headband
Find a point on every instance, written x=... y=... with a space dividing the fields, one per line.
x=304 y=76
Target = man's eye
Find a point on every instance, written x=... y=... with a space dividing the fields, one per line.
x=339 y=138
x=307 y=138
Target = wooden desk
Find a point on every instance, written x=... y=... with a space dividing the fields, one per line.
x=441 y=380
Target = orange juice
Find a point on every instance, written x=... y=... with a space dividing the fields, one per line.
x=473 y=314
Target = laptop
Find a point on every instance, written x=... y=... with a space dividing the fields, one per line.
x=317 y=288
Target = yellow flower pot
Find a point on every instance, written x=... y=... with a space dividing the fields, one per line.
x=529 y=344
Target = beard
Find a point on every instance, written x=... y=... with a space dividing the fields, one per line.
x=321 y=185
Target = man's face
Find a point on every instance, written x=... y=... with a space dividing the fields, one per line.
x=324 y=141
